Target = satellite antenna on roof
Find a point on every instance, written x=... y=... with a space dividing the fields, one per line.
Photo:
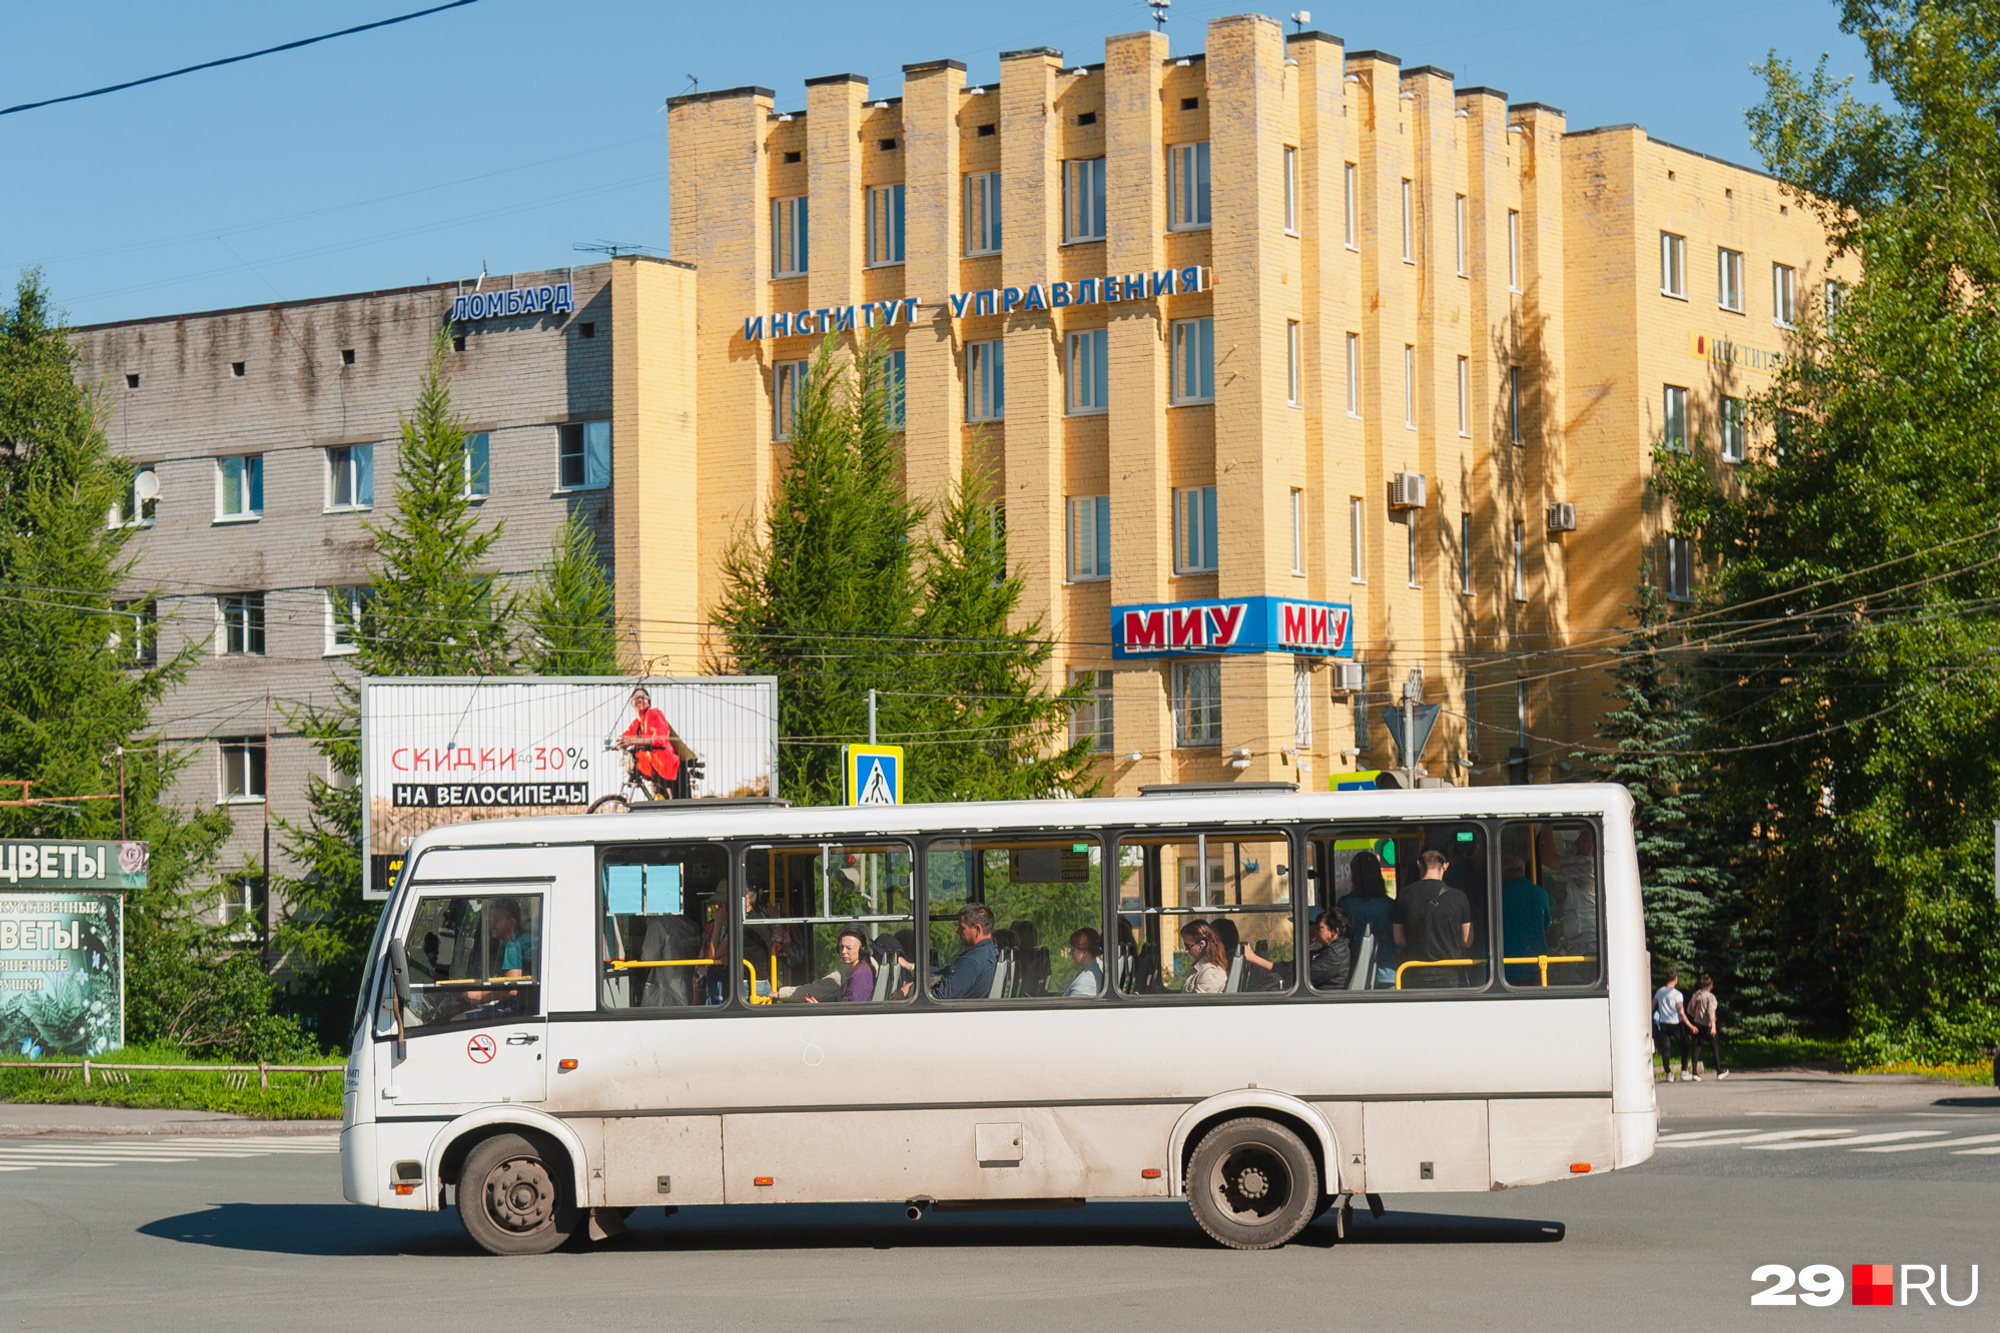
x=612 y=248
x=1300 y=18
x=1159 y=8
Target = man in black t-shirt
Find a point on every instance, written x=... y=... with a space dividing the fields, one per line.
x=1433 y=922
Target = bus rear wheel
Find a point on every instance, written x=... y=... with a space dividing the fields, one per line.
x=1252 y=1184
x=509 y=1199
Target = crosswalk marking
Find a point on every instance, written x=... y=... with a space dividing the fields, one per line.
x=29 y=1154
x=1848 y=1141
x=1943 y=1143
x=1772 y=1136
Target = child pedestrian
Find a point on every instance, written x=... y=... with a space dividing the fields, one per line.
x=1701 y=1013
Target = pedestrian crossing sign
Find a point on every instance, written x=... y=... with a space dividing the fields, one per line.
x=874 y=774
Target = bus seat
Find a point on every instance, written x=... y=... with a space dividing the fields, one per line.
x=1362 y=975
x=1125 y=971
x=1003 y=972
x=1235 y=982
x=885 y=980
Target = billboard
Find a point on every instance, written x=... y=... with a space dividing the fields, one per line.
x=62 y=970
x=449 y=751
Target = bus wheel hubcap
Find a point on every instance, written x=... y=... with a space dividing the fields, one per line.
x=520 y=1196
x=1253 y=1182
x=1252 y=1185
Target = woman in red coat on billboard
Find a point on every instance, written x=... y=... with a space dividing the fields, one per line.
x=650 y=740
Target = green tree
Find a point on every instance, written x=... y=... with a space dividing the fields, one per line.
x=820 y=592
x=78 y=691
x=986 y=728
x=1854 y=602
x=571 y=627
x=435 y=609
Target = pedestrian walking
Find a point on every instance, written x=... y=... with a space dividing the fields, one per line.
x=1702 y=1010
x=1670 y=1025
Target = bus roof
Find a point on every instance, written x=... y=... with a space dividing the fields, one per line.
x=670 y=821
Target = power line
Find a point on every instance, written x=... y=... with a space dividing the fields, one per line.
x=231 y=60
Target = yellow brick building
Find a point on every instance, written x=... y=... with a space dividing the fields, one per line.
x=1274 y=328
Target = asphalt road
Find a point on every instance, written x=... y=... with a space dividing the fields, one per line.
x=244 y=1230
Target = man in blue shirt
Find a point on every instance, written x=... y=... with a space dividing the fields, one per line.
x=970 y=977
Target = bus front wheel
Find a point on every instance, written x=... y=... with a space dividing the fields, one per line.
x=1252 y=1184
x=509 y=1199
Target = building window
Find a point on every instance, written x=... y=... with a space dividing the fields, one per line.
x=1674 y=416
x=583 y=455
x=1291 y=189
x=1465 y=554
x=1357 y=550
x=986 y=380
x=893 y=390
x=1194 y=530
x=996 y=520
x=242 y=616
x=136 y=640
x=1783 y=295
x=1090 y=717
x=1187 y=186
x=1513 y=250
x=1514 y=404
x=1409 y=224
x=1298 y=531
x=1354 y=374
x=1832 y=291
x=1294 y=376
x=1409 y=386
x=1471 y=715
x=1673 y=265
x=478 y=466
x=239 y=486
x=135 y=506
x=788 y=381
x=1521 y=715
x=1347 y=204
x=885 y=224
x=344 y=609
x=1302 y=704
x=1194 y=361
x=1360 y=705
x=1089 y=371
x=1411 y=576
x=1197 y=690
x=1459 y=219
x=1464 y=397
x=788 y=236
x=1083 y=199
x=1680 y=581
x=1732 y=430
x=350 y=477
x=982 y=212
x=1089 y=538
x=1729 y=279
x=1520 y=562
x=243 y=770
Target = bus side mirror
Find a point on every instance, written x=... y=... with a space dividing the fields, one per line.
x=399 y=971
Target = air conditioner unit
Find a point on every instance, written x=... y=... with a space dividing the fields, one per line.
x=1347 y=678
x=1407 y=491
x=1562 y=516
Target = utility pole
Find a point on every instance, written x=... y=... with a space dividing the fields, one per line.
x=871 y=717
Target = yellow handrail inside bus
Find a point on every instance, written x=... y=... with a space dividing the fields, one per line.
x=1542 y=959
x=621 y=964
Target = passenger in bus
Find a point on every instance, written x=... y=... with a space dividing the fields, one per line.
x=970 y=977
x=1524 y=920
x=1373 y=913
x=852 y=978
x=1086 y=950
x=1330 y=963
x=1434 y=925
x=1208 y=973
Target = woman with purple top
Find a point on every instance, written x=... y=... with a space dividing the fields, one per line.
x=852 y=977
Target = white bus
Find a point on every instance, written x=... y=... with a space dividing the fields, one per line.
x=1005 y=1005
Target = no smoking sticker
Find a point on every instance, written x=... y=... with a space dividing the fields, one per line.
x=480 y=1048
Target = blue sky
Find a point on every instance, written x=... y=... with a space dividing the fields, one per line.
x=506 y=132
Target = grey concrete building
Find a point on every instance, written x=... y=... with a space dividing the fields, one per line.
x=270 y=433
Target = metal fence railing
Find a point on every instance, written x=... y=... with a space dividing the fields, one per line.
x=111 y=1071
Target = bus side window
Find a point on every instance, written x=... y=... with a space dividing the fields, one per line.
x=474 y=959
x=657 y=931
x=1426 y=882
x=1205 y=915
x=1038 y=936
x=827 y=923
x=1551 y=889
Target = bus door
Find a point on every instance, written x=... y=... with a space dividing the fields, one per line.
x=474 y=1029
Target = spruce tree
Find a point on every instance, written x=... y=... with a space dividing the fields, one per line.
x=988 y=729
x=571 y=627
x=819 y=592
